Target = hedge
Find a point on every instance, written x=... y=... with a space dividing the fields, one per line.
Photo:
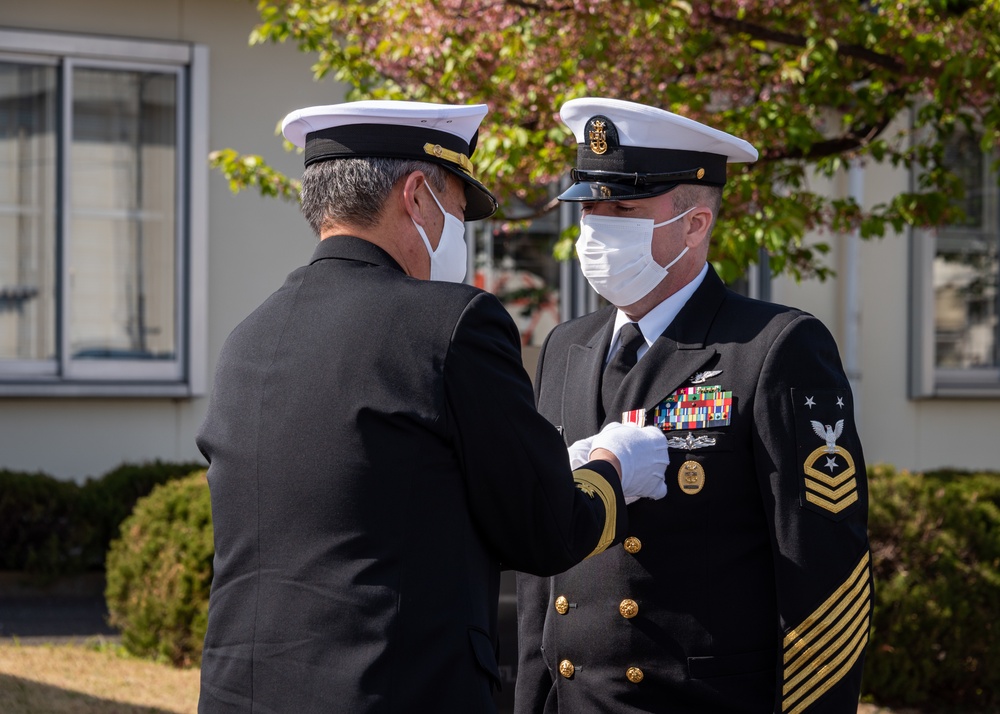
x=935 y=540
x=936 y=553
x=51 y=528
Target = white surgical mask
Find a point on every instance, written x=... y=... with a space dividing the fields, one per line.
x=450 y=261
x=616 y=255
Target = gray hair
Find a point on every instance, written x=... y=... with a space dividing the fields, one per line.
x=354 y=191
x=687 y=195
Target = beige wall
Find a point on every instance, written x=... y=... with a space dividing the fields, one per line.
x=253 y=243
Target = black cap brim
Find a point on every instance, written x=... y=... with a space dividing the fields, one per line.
x=479 y=202
x=589 y=191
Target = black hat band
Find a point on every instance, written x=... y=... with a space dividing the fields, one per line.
x=643 y=166
x=389 y=142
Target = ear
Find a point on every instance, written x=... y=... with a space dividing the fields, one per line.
x=414 y=200
x=699 y=226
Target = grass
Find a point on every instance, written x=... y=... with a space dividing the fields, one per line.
x=91 y=677
x=96 y=677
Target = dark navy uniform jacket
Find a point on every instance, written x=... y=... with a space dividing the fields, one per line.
x=375 y=455
x=748 y=587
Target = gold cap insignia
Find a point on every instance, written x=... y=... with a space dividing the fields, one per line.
x=452 y=157
x=598 y=138
x=701 y=173
x=605 y=192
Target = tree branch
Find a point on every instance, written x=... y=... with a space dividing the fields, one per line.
x=786 y=38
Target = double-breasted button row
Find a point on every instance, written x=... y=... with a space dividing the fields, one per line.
x=628 y=608
x=632 y=674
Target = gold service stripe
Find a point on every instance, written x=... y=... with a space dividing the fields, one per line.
x=817 y=614
x=815 y=648
x=843 y=664
x=842 y=634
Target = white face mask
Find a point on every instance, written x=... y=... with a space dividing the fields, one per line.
x=450 y=261
x=616 y=255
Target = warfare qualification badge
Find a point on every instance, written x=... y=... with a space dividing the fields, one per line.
x=691 y=477
x=598 y=138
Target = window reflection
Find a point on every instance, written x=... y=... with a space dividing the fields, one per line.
x=122 y=250
x=27 y=211
x=965 y=268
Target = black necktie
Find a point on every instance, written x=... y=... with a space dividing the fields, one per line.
x=629 y=341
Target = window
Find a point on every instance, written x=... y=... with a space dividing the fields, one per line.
x=102 y=216
x=956 y=267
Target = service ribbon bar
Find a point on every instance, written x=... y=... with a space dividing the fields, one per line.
x=694 y=408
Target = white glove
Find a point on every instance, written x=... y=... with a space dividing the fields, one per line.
x=579 y=452
x=642 y=452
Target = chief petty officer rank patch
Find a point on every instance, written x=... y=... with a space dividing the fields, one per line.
x=827 y=443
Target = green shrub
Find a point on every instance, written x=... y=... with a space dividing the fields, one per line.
x=936 y=553
x=39 y=524
x=108 y=501
x=159 y=573
x=50 y=528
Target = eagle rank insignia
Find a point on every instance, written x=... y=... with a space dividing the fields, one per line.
x=826 y=438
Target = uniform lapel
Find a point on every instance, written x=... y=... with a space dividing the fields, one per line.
x=581 y=392
x=677 y=354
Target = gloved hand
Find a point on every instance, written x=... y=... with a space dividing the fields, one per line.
x=642 y=452
x=579 y=452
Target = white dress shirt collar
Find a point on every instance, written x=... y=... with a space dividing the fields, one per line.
x=657 y=320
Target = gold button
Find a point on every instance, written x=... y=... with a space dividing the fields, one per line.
x=632 y=545
x=566 y=668
x=562 y=605
x=628 y=609
x=634 y=675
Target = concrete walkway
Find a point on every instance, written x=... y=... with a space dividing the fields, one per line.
x=70 y=609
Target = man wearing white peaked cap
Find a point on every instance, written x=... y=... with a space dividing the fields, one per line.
x=748 y=587
x=374 y=450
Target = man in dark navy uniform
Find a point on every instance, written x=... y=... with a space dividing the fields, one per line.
x=375 y=453
x=748 y=587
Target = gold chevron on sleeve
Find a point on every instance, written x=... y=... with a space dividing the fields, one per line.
x=591 y=482
x=826 y=645
x=833 y=493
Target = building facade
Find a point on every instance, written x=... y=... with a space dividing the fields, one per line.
x=125 y=261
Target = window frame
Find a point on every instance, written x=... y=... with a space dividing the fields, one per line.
x=927 y=380
x=186 y=375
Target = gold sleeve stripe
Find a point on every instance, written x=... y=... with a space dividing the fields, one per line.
x=803 y=653
x=860 y=570
x=834 y=671
x=591 y=482
x=824 y=648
